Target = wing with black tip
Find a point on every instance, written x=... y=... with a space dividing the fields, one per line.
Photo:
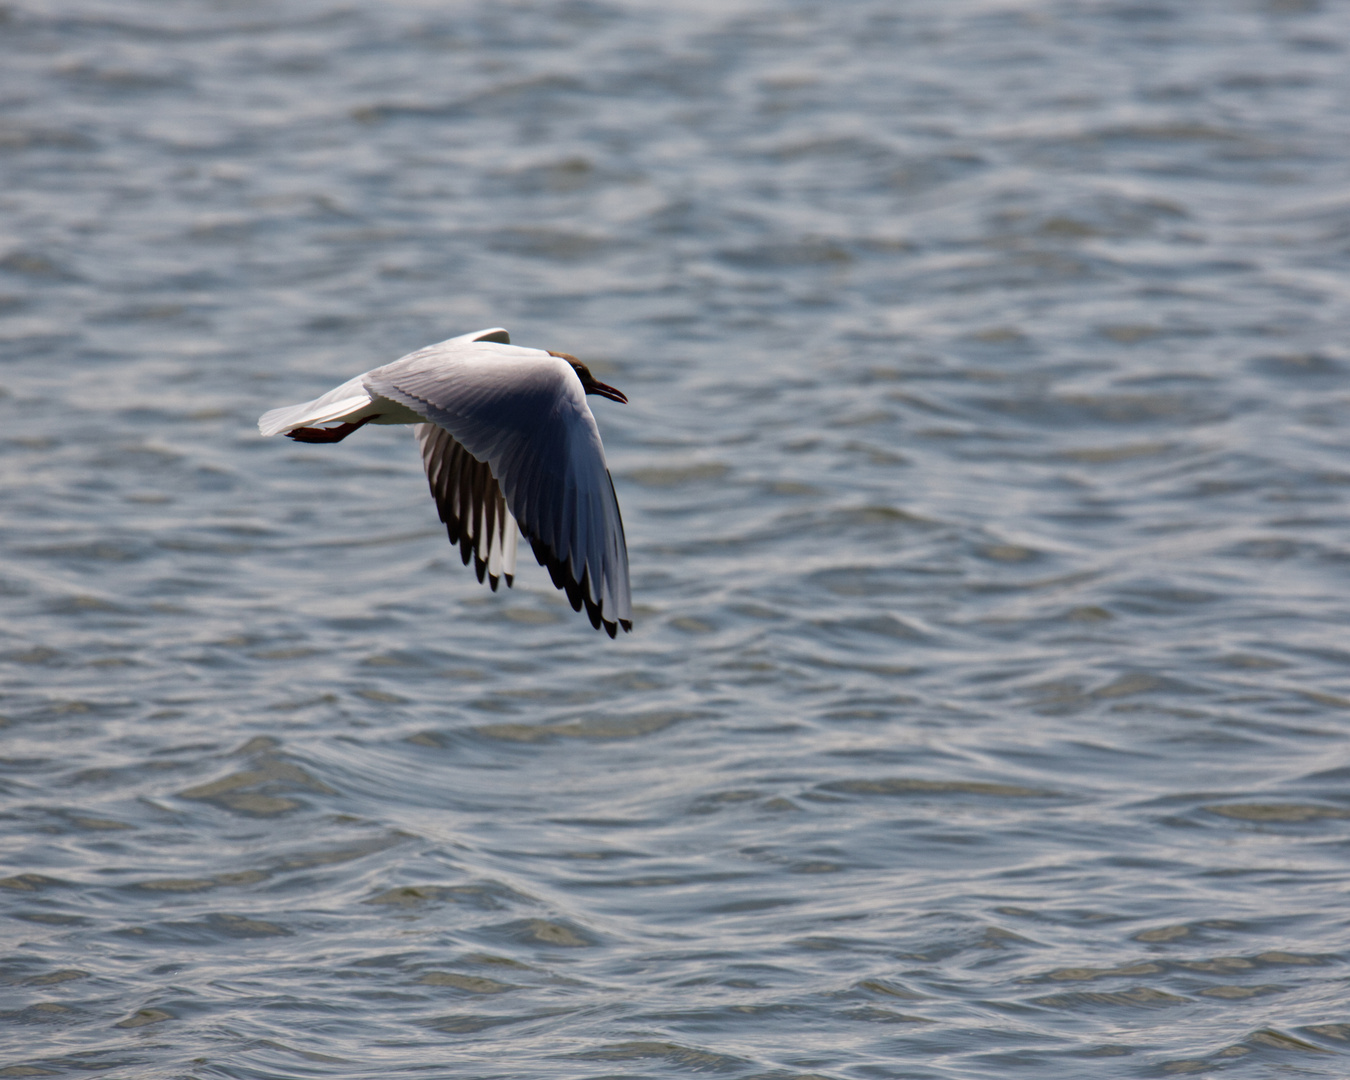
x=470 y=503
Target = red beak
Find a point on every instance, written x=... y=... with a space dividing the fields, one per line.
x=603 y=390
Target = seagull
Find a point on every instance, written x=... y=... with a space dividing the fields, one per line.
x=509 y=446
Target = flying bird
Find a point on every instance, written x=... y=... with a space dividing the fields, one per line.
x=510 y=446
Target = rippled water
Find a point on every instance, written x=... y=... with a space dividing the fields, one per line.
x=986 y=482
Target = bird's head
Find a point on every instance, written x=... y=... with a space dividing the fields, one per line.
x=589 y=382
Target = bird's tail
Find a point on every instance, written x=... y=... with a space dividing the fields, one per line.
x=343 y=401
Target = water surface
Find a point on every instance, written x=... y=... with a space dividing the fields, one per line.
x=987 y=712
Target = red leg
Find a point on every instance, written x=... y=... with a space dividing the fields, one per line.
x=332 y=434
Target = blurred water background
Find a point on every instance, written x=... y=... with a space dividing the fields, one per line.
x=987 y=713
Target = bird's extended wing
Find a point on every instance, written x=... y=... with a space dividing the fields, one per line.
x=470 y=503
x=523 y=413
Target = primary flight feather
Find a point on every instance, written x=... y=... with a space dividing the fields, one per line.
x=510 y=446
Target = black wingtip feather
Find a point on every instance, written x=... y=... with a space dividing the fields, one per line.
x=578 y=592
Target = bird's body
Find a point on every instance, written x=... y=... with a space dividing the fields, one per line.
x=508 y=442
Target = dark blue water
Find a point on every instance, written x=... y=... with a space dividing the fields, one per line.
x=987 y=486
